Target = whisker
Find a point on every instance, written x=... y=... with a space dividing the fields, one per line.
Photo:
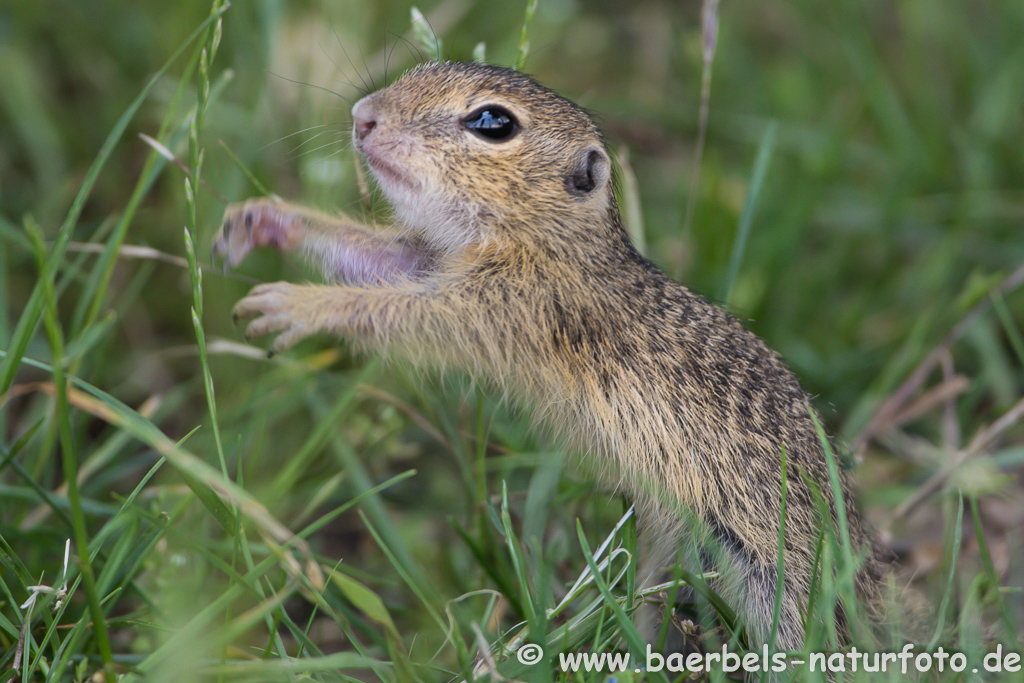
x=341 y=72
x=337 y=66
x=387 y=59
x=437 y=43
x=366 y=67
x=343 y=148
x=366 y=88
x=308 y=140
x=311 y=85
x=317 y=149
x=414 y=51
x=291 y=135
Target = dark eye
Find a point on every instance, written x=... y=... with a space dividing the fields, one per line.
x=493 y=123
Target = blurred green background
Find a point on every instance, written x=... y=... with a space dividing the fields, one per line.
x=893 y=200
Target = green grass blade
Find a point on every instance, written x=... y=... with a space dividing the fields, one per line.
x=623 y=621
x=26 y=326
x=954 y=554
x=69 y=451
x=523 y=51
x=426 y=36
x=780 y=566
x=739 y=247
x=990 y=569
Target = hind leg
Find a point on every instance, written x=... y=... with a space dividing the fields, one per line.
x=746 y=585
x=657 y=619
x=760 y=588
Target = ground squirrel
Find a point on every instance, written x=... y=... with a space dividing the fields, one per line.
x=508 y=260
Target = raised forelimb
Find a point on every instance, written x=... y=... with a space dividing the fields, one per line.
x=372 y=318
x=343 y=249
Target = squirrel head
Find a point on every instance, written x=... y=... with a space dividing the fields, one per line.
x=466 y=152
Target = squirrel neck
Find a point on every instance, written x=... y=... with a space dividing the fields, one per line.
x=569 y=236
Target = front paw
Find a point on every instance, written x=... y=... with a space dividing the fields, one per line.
x=276 y=307
x=255 y=223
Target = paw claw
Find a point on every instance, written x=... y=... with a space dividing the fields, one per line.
x=256 y=223
x=274 y=307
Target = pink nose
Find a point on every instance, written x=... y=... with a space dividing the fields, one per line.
x=364 y=119
x=362 y=127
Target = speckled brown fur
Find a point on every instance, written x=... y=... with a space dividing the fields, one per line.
x=508 y=260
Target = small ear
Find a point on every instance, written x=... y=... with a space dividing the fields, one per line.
x=590 y=173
